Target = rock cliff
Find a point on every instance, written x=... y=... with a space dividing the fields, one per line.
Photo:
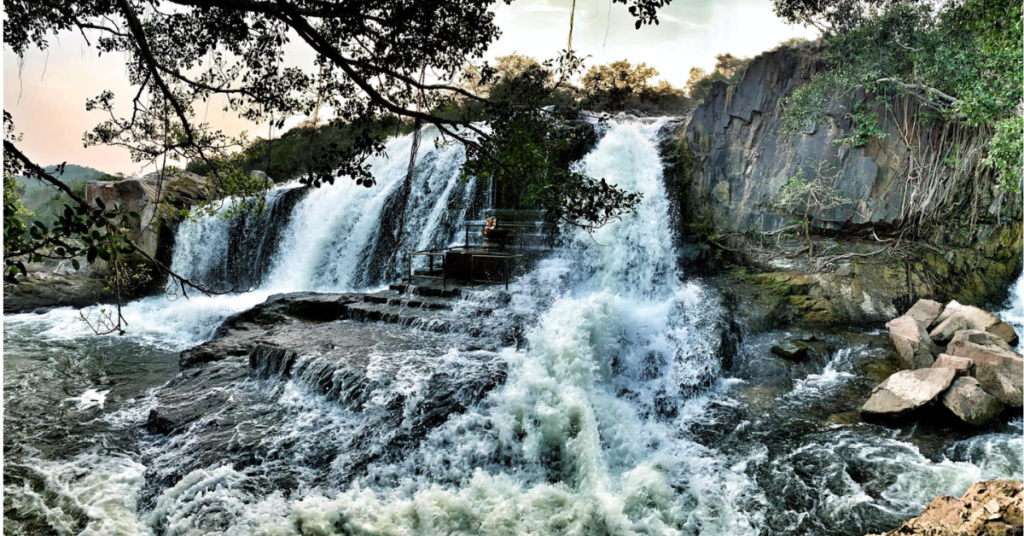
x=154 y=232
x=899 y=233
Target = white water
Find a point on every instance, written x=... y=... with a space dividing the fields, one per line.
x=327 y=246
x=569 y=444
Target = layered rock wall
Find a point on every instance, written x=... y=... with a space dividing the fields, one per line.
x=728 y=162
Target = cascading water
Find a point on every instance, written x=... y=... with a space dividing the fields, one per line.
x=613 y=418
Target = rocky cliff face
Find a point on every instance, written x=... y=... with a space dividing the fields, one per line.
x=902 y=231
x=740 y=159
x=154 y=232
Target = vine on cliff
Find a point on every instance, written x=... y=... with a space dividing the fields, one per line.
x=960 y=63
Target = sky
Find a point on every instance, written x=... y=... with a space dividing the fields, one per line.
x=46 y=93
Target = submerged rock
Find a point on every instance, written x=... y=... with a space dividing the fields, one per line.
x=908 y=390
x=966 y=399
x=792 y=350
x=991 y=508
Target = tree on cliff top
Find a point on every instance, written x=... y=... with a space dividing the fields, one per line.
x=370 y=58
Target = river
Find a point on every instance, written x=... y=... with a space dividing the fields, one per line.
x=617 y=415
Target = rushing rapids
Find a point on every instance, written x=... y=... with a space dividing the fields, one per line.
x=622 y=410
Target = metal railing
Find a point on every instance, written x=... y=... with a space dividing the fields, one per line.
x=429 y=254
x=513 y=226
x=472 y=267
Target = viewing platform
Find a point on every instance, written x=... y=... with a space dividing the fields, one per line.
x=494 y=251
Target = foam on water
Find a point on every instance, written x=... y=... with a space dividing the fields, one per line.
x=89 y=495
x=591 y=433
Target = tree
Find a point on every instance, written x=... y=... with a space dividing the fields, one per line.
x=180 y=53
x=804 y=196
x=612 y=85
x=728 y=68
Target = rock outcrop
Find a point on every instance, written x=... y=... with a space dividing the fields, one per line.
x=358 y=351
x=41 y=291
x=991 y=508
x=988 y=373
x=154 y=231
x=731 y=160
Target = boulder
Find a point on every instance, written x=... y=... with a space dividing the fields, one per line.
x=970 y=317
x=907 y=391
x=925 y=312
x=912 y=343
x=1005 y=332
x=998 y=369
x=988 y=508
x=947 y=311
x=260 y=175
x=145 y=196
x=962 y=365
x=966 y=399
x=792 y=350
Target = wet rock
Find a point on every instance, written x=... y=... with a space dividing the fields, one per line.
x=991 y=508
x=998 y=369
x=908 y=390
x=176 y=412
x=792 y=350
x=970 y=317
x=962 y=365
x=966 y=399
x=40 y=292
x=912 y=343
x=846 y=418
x=925 y=312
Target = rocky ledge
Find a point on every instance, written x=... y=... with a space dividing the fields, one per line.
x=355 y=350
x=992 y=508
x=956 y=357
x=43 y=291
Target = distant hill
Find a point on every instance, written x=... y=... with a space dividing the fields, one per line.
x=45 y=202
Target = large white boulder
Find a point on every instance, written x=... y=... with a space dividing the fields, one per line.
x=998 y=369
x=914 y=347
x=967 y=400
x=908 y=390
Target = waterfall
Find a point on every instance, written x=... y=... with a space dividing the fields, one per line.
x=577 y=440
x=598 y=424
x=338 y=237
x=1014 y=312
x=335 y=238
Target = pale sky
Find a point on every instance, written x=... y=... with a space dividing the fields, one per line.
x=48 y=99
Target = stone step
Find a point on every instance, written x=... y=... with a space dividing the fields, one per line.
x=430 y=291
x=389 y=297
x=438 y=320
